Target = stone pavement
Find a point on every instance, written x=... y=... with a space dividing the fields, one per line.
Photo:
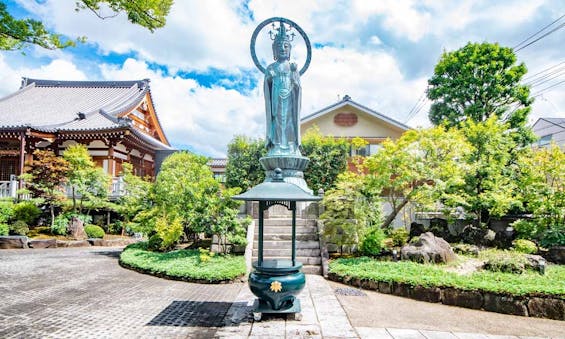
x=84 y=293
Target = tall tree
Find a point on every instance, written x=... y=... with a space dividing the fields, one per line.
x=18 y=33
x=476 y=82
x=45 y=177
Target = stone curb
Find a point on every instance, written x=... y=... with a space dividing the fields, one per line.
x=527 y=306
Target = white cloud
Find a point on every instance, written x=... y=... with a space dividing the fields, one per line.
x=204 y=118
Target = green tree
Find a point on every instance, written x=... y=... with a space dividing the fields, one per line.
x=87 y=181
x=137 y=198
x=542 y=184
x=186 y=186
x=476 y=82
x=420 y=167
x=489 y=187
x=45 y=177
x=243 y=169
x=328 y=158
x=18 y=33
x=350 y=210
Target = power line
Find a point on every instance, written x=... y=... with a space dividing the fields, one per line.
x=536 y=33
x=541 y=37
x=543 y=71
x=540 y=92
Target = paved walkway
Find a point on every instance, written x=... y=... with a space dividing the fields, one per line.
x=84 y=293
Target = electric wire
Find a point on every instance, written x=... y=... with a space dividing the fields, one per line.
x=536 y=33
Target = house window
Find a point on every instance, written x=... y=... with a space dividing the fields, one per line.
x=545 y=140
x=366 y=151
x=8 y=167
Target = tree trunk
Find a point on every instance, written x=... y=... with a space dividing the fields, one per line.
x=52 y=216
x=390 y=218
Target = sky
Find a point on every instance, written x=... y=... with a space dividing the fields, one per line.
x=206 y=88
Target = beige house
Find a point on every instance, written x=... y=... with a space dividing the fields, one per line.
x=349 y=119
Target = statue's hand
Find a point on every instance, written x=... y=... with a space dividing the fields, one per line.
x=293 y=66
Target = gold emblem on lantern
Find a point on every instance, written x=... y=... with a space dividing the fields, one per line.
x=276 y=286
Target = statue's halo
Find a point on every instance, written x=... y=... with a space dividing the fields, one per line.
x=286 y=21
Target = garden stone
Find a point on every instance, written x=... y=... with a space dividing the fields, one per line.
x=429 y=294
x=556 y=255
x=547 y=308
x=504 y=304
x=76 y=228
x=13 y=241
x=428 y=249
x=467 y=299
x=385 y=287
x=72 y=243
x=43 y=243
x=440 y=228
x=401 y=290
x=96 y=242
x=535 y=262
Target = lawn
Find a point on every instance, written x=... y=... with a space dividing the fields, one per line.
x=528 y=283
x=186 y=264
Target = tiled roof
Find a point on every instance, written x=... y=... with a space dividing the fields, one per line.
x=218 y=162
x=56 y=105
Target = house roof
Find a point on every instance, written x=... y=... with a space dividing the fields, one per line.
x=347 y=101
x=555 y=121
x=65 y=106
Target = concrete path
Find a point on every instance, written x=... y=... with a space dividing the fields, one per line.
x=84 y=293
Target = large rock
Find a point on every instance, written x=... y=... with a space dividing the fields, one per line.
x=467 y=299
x=477 y=235
x=43 y=243
x=72 y=243
x=13 y=241
x=504 y=304
x=428 y=249
x=556 y=255
x=76 y=228
x=535 y=262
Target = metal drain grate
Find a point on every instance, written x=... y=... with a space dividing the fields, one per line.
x=350 y=292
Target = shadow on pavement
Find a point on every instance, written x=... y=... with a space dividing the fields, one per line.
x=193 y=314
x=112 y=253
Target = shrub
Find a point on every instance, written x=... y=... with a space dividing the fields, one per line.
x=388 y=243
x=116 y=227
x=553 y=237
x=94 y=231
x=19 y=227
x=60 y=225
x=524 y=246
x=34 y=232
x=505 y=261
x=154 y=243
x=6 y=210
x=4 y=229
x=399 y=236
x=169 y=231
x=372 y=243
x=204 y=255
x=27 y=212
x=525 y=229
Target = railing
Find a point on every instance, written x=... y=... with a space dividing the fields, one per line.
x=9 y=188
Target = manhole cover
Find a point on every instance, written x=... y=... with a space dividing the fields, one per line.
x=350 y=292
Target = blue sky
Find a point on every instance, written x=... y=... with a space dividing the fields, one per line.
x=206 y=88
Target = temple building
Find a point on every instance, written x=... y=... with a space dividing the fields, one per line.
x=116 y=120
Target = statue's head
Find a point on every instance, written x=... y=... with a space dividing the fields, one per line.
x=281 y=44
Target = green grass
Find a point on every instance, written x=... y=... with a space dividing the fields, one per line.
x=183 y=264
x=528 y=283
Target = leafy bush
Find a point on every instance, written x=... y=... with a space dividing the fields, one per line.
x=6 y=210
x=154 y=243
x=60 y=225
x=399 y=236
x=525 y=229
x=169 y=231
x=27 y=212
x=36 y=231
x=372 y=243
x=524 y=246
x=94 y=231
x=553 y=237
x=504 y=261
x=116 y=227
x=205 y=255
x=4 y=229
x=388 y=243
x=19 y=227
